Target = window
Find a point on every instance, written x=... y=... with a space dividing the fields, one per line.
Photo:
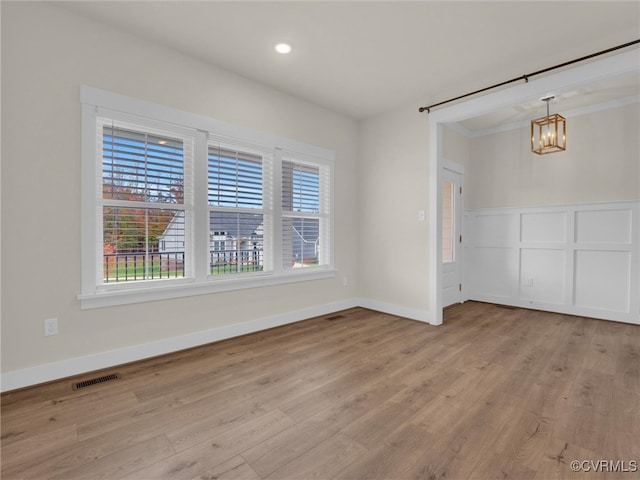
x=188 y=205
x=448 y=233
x=143 y=208
x=236 y=203
x=305 y=215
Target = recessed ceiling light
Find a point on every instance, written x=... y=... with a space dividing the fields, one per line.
x=283 y=48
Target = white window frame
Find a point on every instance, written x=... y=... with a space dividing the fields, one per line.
x=324 y=214
x=268 y=162
x=97 y=103
x=103 y=117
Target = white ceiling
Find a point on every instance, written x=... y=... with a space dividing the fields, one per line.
x=613 y=92
x=363 y=58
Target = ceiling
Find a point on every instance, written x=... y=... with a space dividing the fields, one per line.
x=615 y=91
x=363 y=58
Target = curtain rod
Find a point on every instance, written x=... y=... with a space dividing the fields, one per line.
x=529 y=75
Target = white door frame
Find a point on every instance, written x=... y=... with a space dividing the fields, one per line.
x=553 y=84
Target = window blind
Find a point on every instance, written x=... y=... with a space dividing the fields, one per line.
x=235 y=178
x=142 y=167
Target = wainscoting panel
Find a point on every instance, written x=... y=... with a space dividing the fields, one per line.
x=604 y=226
x=575 y=259
x=496 y=278
x=542 y=275
x=496 y=229
x=603 y=280
x=544 y=227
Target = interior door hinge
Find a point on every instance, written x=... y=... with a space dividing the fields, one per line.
x=460 y=287
x=460 y=190
x=460 y=238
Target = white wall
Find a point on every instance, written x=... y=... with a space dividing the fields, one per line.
x=47 y=53
x=456 y=147
x=394 y=179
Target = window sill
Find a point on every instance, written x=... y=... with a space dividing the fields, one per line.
x=108 y=298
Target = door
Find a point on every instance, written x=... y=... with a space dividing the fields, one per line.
x=451 y=237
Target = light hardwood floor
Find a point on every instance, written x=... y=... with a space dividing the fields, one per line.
x=492 y=393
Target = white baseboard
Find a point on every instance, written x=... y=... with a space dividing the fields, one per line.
x=74 y=366
x=399 y=310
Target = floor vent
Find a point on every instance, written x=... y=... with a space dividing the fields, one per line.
x=334 y=317
x=95 y=381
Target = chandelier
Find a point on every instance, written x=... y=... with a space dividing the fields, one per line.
x=548 y=134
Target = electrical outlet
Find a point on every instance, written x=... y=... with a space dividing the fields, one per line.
x=530 y=282
x=50 y=327
x=345 y=281
x=422 y=216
